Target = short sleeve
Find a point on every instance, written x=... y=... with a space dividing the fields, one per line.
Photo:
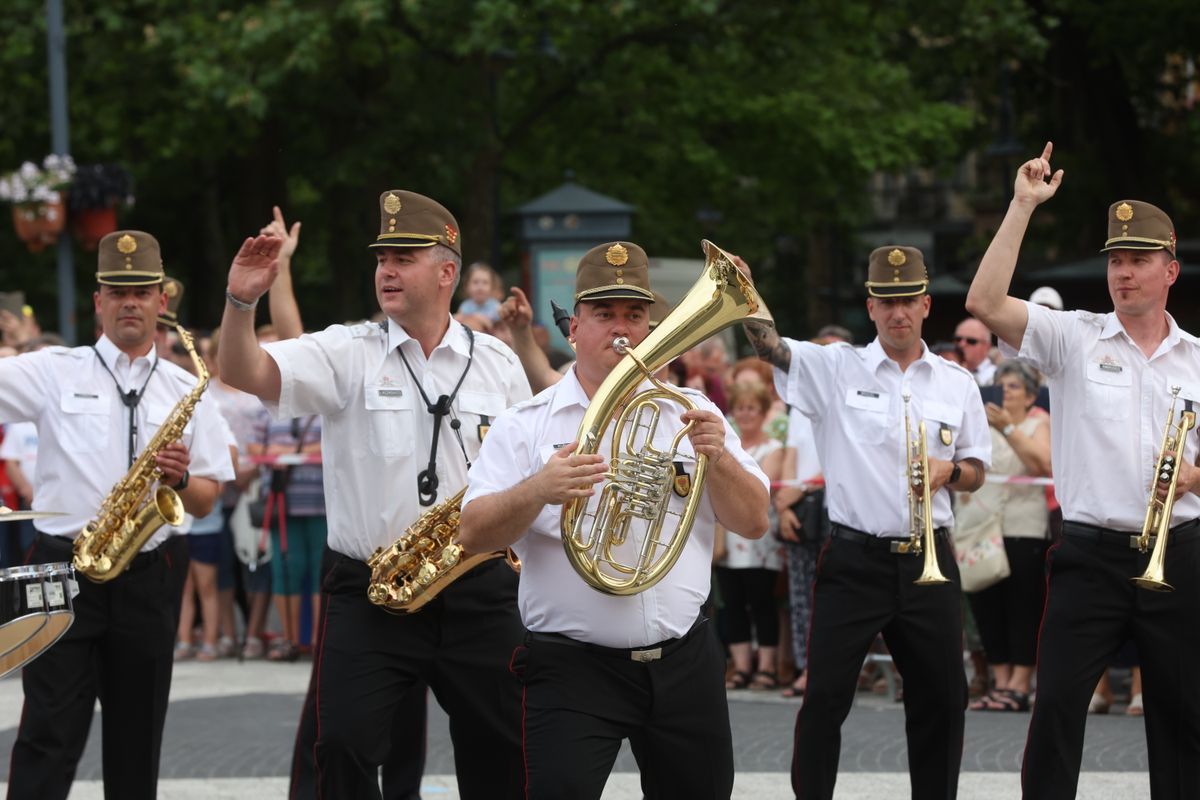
x=809 y=378
x=23 y=385
x=211 y=440
x=504 y=459
x=315 y=371
x=1049 y=336
x=974 y=438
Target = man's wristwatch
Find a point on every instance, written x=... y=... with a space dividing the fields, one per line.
x=183 y=482
x=1007 y=430
x=955 y=473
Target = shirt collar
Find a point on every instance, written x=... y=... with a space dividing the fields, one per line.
x=874 y=355
x=114 y=356
x=1175 y=334
x=568 y=392
x=455 y=337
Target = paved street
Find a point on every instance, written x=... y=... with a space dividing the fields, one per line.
x=230 y=729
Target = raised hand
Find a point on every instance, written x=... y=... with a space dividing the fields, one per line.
x=516 y=310
x=254 y=267
x=1036 y=183
x=278 y=228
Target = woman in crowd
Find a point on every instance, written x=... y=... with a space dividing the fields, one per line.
x=1008 y=613
x=748 y=572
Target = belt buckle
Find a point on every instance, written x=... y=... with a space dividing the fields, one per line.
x=1135 y=543
x=903 y=546
x=646 y=656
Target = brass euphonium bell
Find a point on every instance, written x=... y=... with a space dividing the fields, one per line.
x=638 y=486
x=920 y=507
x=1157 y=525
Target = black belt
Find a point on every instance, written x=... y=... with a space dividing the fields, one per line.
x=66 y=546
x=870 y=541
x=651 y=652
x=1094 y=534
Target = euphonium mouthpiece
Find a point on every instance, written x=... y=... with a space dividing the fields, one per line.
x=620 y=344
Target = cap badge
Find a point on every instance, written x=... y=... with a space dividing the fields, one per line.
x=897 y=258
x=391 y=203
x=1124 y=212
x=617 y=255
x=451 y=234
x=127 y=244
x=171 y=289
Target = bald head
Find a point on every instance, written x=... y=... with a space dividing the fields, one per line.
x=975 y=340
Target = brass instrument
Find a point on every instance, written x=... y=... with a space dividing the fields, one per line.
x=920 y=507
x=425 y=560
x=1158 y=512
x=639 y=480
x=127 y=517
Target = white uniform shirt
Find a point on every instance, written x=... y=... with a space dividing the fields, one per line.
x=985 y=373
x=20 y=445
x=83 y=427
x=854 y=399
x=375 y=429
x=553 y=598
x=802 y=441
x=1109 y=405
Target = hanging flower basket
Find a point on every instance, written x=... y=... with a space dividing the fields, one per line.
x=97 y=191
x=93 y=224
x=39 y=224
x=38 y=198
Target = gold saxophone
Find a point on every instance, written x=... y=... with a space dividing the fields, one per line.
x=1158 y=512
x=127 y=518
x=425 y=560
x=639 y=481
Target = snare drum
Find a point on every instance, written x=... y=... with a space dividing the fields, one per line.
x=35 y=610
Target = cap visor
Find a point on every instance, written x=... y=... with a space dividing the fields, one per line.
x=897 y=289
x=127 y=278
x=629 y=293
x=404 y=243
x=1125 y=244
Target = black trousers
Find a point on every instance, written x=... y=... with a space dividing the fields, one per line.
x=750 y=609
x=862 y=589
x=118 y=650
x=1091 y=609
x=1008 y=614
x=405 y=765
x=581 y=701
x=459 y=645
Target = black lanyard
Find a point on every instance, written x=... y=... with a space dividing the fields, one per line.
x=427 y=480
x=130 y=399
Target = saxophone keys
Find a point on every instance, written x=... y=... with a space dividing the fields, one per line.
x=84 y=561
x=103 y=565
x=427 y=573
x=451 y=554
x=405 y=562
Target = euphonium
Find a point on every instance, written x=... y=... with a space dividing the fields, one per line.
x=1158 y=512
x=638 y=487
x=425 y=560
x=127 y=519
x=920 y=507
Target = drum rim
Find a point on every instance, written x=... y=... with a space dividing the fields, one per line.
x=24 y=571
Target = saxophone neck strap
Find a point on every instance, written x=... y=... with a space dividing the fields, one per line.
x=427 y=480
x=131 y=399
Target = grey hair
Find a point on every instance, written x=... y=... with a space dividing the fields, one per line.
x=444 y=253
x=1024 y=372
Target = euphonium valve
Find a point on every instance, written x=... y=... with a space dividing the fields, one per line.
x=1157 y=525
x=920 y=507
x=628 y=538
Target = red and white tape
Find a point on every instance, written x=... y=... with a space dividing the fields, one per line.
x=1010 y=480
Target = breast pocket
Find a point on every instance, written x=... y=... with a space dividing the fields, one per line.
x=943 y=422
x=157 y=414
x=864 y=415
x=1108 y=392
x=85 y=421
x=477 y=411
x=390 y=418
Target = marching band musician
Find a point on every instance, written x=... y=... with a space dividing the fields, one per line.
x=388 y=394
x=1111 y=378
x=865 y=582
x=96 y=408
x=599 y=668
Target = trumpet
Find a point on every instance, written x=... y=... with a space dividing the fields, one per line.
x=1158 y=512
x=920 y=507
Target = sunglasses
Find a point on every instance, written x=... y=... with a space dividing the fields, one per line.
x=971 y=340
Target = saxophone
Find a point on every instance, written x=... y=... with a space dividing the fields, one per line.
x=128 y=517
x=425 y=560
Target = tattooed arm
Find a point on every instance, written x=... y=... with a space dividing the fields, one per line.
x=767 y=344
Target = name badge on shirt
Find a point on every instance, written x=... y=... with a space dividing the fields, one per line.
x=391 y=393
x=1109 y=364
x=867 y=400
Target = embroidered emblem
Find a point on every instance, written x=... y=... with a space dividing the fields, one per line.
x=897 y=258
x=683 y=481
x=451 y=234
x=617 y=255
x=127 y=244
x=1109 y=364
x=1124 y=212
x=946 y=435
x=391 y=203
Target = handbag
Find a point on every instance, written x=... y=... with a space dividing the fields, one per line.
x=979 y=550
x=247 y=533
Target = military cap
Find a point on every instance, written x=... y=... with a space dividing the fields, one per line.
x=173 y=289
x=129 y=258
x=1134 y=225
x=896 y=271
x=408 y=219
x=613 y=270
